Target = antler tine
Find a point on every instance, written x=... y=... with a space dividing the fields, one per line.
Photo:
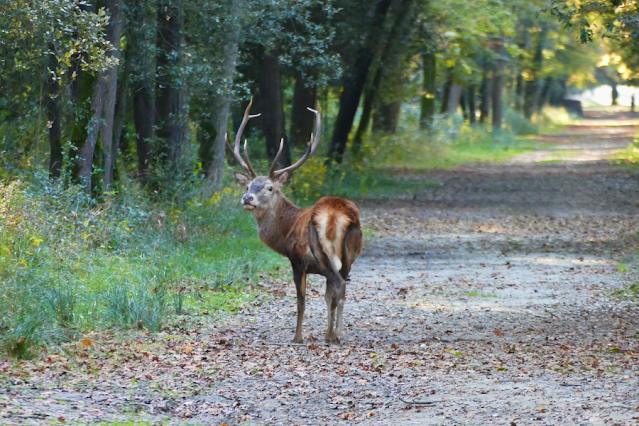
x=277 y=157
x=237 y=157
x=248 y=160
x=238 y=138
x=311 y=148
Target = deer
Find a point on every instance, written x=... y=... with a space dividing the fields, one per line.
x=324 y=239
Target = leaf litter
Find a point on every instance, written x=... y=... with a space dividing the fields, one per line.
x=486 y=301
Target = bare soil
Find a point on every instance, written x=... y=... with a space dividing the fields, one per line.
x=486 y=300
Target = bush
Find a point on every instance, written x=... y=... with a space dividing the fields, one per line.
x=70 y=264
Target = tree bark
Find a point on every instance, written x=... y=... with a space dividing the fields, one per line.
x=485 y=95
x=86 y=152
x=472 y=110
x=113 y=35
x=367 y=110
x=498 y=83
x=531 y=95
x=614 y=93
x=544 y=94
x=121 y=108
x=454 y=95
x=170 y=96
x=142 y=82
x=272 y=118
x=304 y=96
x=213 y=127
x=389 y=64
x=519 y=92
x=463 y=104
x=429 y=69
x=354 y=81
x=387 y=118
x=54 y=116
x=446 y=93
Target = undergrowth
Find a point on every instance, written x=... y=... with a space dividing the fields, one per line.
x=629 y=157
x=70 y=264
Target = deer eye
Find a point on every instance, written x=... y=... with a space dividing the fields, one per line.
x=270 y=188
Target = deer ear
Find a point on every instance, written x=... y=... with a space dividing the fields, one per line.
x=283 y=178
x=241 y=178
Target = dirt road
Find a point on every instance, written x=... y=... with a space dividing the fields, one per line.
x=485 y=300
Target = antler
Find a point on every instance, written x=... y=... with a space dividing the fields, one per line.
x=307 y=154
x=246 y=165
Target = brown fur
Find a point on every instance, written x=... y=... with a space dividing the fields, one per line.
x=324 y=239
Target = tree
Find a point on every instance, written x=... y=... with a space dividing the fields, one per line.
x=170 y=91
x=355 y=78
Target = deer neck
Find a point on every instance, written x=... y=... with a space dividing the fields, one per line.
x=274 y=225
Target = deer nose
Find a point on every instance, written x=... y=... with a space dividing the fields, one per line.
x=247 y=199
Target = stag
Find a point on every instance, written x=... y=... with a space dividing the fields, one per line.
x=324 y=239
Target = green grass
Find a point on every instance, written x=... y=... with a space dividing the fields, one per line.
x=478 y=294
x=629 y=292
x=69 y=265
x=628 y=158
x=448 y=145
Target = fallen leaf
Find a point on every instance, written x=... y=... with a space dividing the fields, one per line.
x=86 y=342
x=187 y=350
x=498 y=332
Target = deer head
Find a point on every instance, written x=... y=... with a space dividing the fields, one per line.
x=264 y=192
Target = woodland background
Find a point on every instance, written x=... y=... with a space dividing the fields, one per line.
x=117 y=205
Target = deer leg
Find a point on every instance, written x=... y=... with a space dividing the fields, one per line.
x=329 y=297
x=300 y=285
x=340 y=298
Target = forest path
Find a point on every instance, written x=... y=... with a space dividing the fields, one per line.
x=483 y=301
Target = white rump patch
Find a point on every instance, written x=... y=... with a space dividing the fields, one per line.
x=333 y=249
x=337 y=263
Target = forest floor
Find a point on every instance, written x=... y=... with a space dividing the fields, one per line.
x=485 y=300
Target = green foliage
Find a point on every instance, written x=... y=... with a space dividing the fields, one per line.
x=70 y=264
x=629 y=157
x=448 y=144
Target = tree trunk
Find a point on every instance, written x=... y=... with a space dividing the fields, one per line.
x=142 y=83
x=454 y=95
x=113 y=35
x=389 y=64
x=519 y=92
x=544 y=94
x=614 y=93
x=367 y=110
x=354 y=81
x=170 y=96
x=472 y=110
x=498 y=87
x=213 y=127
x=121 y=108
x=463 y=104
x=86 y=152
x=54 y=116
x=446 y=93
x=387 y=118
x=429 y=69
x=304 y=96
x=531 y=95
x=485 y=95
x=273 y=118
